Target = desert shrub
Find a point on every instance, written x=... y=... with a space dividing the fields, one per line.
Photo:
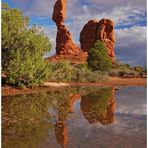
x=61 y=71
x=64 y=72
x=27 y=69
x=138 y=69
x=122 y=71
x=114 y=72
x=23 y=50
x=13 y=25
x=98 y=58
x=125 y=70
x=81 y=72
x=84 y=74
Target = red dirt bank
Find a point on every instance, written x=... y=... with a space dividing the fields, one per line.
x=111 y=82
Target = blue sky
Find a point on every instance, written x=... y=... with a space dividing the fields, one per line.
x=129 y=17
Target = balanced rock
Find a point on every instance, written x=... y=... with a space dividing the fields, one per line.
x=59 y=12
x=103 y=31
x=64 y=42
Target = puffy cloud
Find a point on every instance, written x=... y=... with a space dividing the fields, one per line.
x=131 y=45
x=50 y=31
x=35 y=7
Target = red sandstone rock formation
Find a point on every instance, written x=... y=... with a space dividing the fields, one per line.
x=103 y=31
x=73 y=59
x=64 y=42
x=88 y=35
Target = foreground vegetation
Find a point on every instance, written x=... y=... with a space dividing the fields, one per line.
x=23 y=48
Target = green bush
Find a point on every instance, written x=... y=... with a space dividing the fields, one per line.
x=23 y=50
x=64 y=72
x=125 y=70
x=138 y=69
x=84 y=74
x=27 y=69
x=13 y=24
x=98 y=59
x=61 y=71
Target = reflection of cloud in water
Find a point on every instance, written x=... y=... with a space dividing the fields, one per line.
x=131 y=100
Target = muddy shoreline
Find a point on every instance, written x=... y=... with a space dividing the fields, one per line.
x=111 y=82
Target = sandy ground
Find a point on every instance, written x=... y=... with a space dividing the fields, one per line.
x=116 y=81
x=112 y=81
x=55 y=84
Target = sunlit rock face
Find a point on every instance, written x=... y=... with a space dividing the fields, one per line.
x=59 y=12
x=103 y=31
x=64 y=42
x=88 y=35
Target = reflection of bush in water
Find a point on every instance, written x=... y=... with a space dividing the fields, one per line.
x=99 y=106
x=27 y=119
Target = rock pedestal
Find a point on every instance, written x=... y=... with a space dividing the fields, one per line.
x=64 y=42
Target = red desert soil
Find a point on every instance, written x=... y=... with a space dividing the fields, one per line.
x=111 y=82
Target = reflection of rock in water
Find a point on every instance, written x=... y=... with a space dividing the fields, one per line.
x=73 y=99
x=60 y=127
x=99 y=106
x=61 y=134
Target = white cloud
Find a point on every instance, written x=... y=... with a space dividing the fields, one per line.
x=51 y=33
x=131 y=45
x=130 y=36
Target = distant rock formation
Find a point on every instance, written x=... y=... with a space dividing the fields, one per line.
x=103 y=31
